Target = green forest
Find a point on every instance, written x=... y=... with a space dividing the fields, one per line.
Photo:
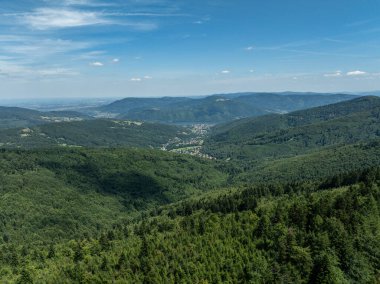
x=294 y=233
x=281 y=198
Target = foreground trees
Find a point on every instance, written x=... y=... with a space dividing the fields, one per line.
x=280 y=234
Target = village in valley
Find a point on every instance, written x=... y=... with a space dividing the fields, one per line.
x=191 y=143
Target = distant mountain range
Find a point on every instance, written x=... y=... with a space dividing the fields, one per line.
x=213 y=109
x=275 y=135
x=12 y=117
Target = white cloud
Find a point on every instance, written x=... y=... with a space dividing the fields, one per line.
x=225 y=72
x=356 y=73
x=249 y=48
x=11 y=69
x=116 y=60
x=97 y=64
x=251 y=71
x=57 y=72
x=56 y=18
x=66 y=15
x=92 y=55
x=85 y=3
x=148 y=77
x=335 y=74
x=35 y=47
x=136 y=79
x=202 y=20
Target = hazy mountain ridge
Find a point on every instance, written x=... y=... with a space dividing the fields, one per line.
x=216 y=108
x=12 y=117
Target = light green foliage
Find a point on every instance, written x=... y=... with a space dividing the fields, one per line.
x=258 y=235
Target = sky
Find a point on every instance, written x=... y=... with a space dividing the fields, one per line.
x=148 y=48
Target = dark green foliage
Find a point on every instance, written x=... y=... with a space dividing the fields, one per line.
x=61 y=193
x=328 y=236
x=92 y=133
x=313 y=166
x=25 y=278
x=275 y=136
x=299 y=202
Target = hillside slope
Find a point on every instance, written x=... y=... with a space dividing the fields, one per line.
x=298 y=132
x=13 y=117
x=258 y=235
x=50 y=195
x=92 y=133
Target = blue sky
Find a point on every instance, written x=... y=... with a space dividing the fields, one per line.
x=120 y=48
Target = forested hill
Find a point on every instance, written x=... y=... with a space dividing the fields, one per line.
x=13 y=117
x=270 y=123
x=124 y=105
x=92 y=133
x=291 y=198
x=50 y=195
x=295 y=133
x=272 y=234
x=216 y=108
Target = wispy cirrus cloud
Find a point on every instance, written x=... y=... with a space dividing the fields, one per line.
x=347 y=74
x=37 y=47
x=15 y=70
x=140 y=79
x=56 y=18
x=87 y=3
x=335 y=74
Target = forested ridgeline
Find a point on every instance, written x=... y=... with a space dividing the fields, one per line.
x=92 y=133
x=276 y=136
x=311 y=166
x=297 y=233
x=297 y=204
x=216 y=108
x=62 y=193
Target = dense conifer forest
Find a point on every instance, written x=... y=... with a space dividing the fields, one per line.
x=293 y=233
x=189 y=142
x=292 y=198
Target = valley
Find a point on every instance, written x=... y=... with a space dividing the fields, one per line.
x=189 y=142
x=85 y=198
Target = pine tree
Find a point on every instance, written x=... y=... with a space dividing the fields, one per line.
x=51 y=252
x=78 y=254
